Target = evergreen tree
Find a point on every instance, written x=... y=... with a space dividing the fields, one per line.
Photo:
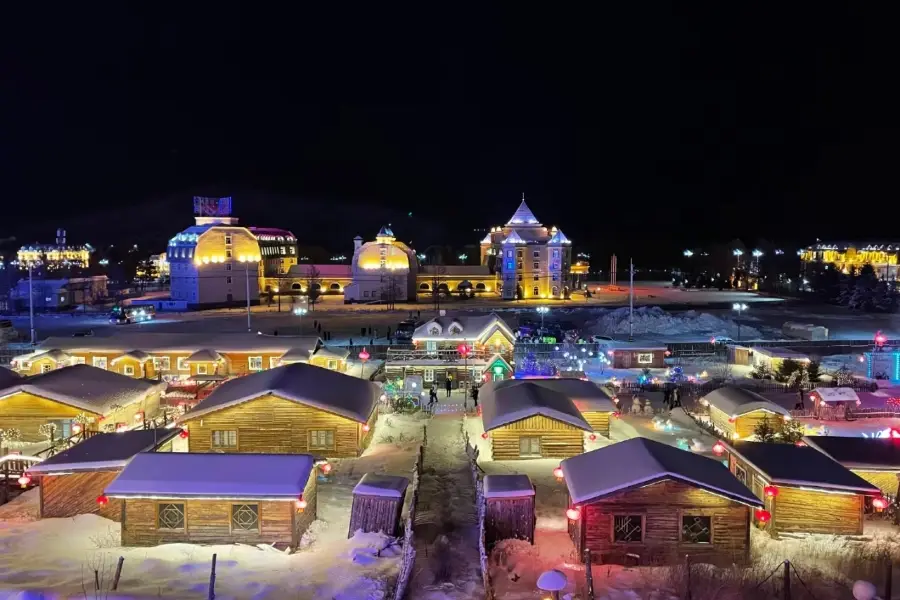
x=762 y=371
x=813 y=372
x=764 y=431
x=792 y=432
x=863 y=294
x=847 y=287
x=885 y=297
x=786 y=369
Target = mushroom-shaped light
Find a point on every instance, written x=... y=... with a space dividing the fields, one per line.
x=24 y=480
x=363 y=355
x=553 y=580
x=879 y=503
x=718 y=448
x=102 y=500
x=558 y=473
x=573 y=514
x=763 y=516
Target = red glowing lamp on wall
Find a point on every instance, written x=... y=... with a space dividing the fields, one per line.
x=301 y=503
x=485 y=435
x=102 y=500
x=593 y=437
x=326 y=468
x=24 y=480
x=558 y=473
x=718 y=448
x=366 y=427
x=880 y=339
x=879 y=503
x=573 y=514
x=770 y=491
x=184 y=434
x=763 y=516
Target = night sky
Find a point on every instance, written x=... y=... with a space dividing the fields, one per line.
x=640 y=129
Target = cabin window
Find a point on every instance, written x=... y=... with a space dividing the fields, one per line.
x=228 y=280
x=628 y=528
x=434 y=331
x=170 y=515
x=331 y=364
x=431 y=347
x=255 y=363
x=428 y=375
x=227 y=239
x=321 y=438
x=128 y=370
x=46 y=367
x=78 y=360
x=273 y=362
x=530 y=447
x=537 y=277
x=181 y=363
x=645 y=358
x=245 y=517
x=224 y=439
x=201 y=369
x=696 y=529
x=535 y=291
x=99 y=362
x=536 y=254
x=162 y=363
x=740 y=474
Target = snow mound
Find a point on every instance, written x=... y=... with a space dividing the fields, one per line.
x=652 y=320
x=23 y=508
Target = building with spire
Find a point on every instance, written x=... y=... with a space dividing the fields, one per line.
x=530 y=260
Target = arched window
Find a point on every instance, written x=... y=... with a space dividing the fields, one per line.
x=535 y=291
x=336 y=286
x=479 y=286
x=555 y=291
x=317 y=287
x=296 y=286
x=424 y=287
x=443 y=288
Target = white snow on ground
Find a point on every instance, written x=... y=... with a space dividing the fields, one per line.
x=652 y=320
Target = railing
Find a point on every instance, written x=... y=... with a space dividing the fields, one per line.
x=445 y=355
x=756 y=385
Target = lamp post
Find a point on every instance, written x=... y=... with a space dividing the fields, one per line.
x=300 y=311
x=542 y=310
x=740 y=307
x=464 y=351
x=247 y=260
x=363 y=357
x=31 y=300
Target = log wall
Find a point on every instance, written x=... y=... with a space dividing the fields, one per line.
x=76 y=494
x=662 y=505
x=28 y=412
x=139 y=368
x=129 y=414
x=885 y=481
x=599 y=421
x=273 y=425
x=744 y=425
x=509 y=518
x=807 y=511
x=558 y=439
x=375 y=514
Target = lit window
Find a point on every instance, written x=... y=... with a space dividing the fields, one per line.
x=429 y=375
x=509 y=254
x=255 y=363
x=332 y=364
x=201 y=369
x=696 y=529
x=273 y=361
x=128 y=370
x=645 y=358
x=181 y=364
x=321 y=439
x=170 y=516
x=161 y=363
x=224 y=439
x=99 y=362
x=227 y=239
x=245 y=517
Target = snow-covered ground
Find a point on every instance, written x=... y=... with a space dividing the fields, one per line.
x=58 y=556
x=650 y=321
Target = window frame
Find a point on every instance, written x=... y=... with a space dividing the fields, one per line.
x=612 y=528
x=540 y=443
x=212 y=439
x=309 y=438
x=229 y=239
x=242 y=530
x=428 y=375
x=250 y=360
x=740 y=473
x=693 y=515
x=97 y=361
x=331 y=364
x=645 y=358
x=536 y=266
x=159 y=361
x=126 y=369
x=181 y=365
x=273 y=361
x=202 y=369
x=183 y=509
x=535 y=291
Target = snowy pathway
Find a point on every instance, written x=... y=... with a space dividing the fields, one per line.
x=447 y=564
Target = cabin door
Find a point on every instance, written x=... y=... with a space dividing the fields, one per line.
x=626 y=360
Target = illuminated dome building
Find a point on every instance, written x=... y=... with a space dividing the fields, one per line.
x=383 y=270
x=54 y=256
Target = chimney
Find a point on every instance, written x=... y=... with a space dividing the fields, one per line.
x=357 y=243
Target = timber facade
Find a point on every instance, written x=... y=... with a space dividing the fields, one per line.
x=661 y=523
x=536 y=437
x=598 y=420
x=743 y=426
x=64 y=496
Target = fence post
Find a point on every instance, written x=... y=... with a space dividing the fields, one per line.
x=115 y=582
x=889 y=580
x=787 y=580
x=212 y=580
x=588 y=573
x=687 y=564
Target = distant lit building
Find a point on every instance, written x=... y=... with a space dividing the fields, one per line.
x=160 y=264
x=278 y=250
x=59 y=294
x=382 y=270
x=54 y=256
x=847 y=255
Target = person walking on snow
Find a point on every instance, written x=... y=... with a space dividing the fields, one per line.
x=448 y=385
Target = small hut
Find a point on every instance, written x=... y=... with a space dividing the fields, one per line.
x=377 y=504
x=509 y=508
x=216 y=498
x=72 y=482
x=736 y=411
x=804 y=490
x=877 y=460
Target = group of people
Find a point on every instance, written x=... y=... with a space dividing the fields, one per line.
x=448 y=387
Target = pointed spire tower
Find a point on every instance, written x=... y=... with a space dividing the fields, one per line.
x=524 y=216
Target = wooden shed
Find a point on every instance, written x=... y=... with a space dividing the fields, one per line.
x=877 y=460
x=215 y=498
x=654 y=503
x=290 y=409
x=377 y=504
x=73 y=481
x=529 y=418
x=736 y=411
x=631 y=355
x=509 y=508
x=804 y=490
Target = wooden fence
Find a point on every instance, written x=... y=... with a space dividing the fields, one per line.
x=472 y=453
x=408 y=558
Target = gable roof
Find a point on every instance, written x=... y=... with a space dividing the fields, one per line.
x=211 y=475
x=138 y=355
x=736 y=401
x=640 y=461
x=104 y=451
x=55 y=354
x=8 y=377
x=800 y=466
x=204 y=355
x=86 y=387
x=523 y=215
x=327 y=390
x=504 y=402
x=877 y=454
x=157 y=342
x=472 y=328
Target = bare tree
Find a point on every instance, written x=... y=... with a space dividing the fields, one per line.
x=313 y=285
x=437 y=279
x=390 y=290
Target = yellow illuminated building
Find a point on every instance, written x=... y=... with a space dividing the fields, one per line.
x=54 y=256
x=846 y=256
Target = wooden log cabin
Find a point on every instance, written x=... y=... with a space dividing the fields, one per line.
x=174 y=356
x=377 y=504
x=215 y=498
x=290 y=409
x=595 y=402
x=736 y=411
x=877 y=460
x=73 y=481
x=113 y=401
x=509 y=508
x=654 y=504
x=529 y=418
x=804 y=490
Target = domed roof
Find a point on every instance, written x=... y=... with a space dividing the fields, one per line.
x=385 y=232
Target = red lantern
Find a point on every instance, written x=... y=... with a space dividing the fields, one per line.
x=770 y=491
x=593 y=437
x=731 y=419
x=363 y=355
x=102 y=500
x=326 y=468
x=573 y=514
x=617 y=414
x=301 y=503
x=184 y=434
x=718 y=448
x=484 y=435
x=24 y=480
x=558 y=473
x=879 y=503
x=463 y=350
x=366 y=427
x=763 y=516
x=76 y=429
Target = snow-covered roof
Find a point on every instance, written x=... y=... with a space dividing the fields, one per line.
x=8 y=377
x=470 y=328
x=587 y=395
x=212 y=475
x=507 y=486
x=624 y=345
x=138 y=355
x=385 y=231
x=559 y=238
x=784 y=353
x=836 y=394
x=513 y=238
x=504 y=402
x=333 y=352
x=204 y=356
x=86 y=387
x=523 y=216
x=104 y=451
x=799 y=466
x=386 y=486
x=156 y=342
x=56 y=355
x=487 y=239
x=876 y=454
x=334 y=392
x=295 y=355
x=735 y=401
x=639 y=461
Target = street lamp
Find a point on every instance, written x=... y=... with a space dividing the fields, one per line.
x=363 y=357
x=300 y=311
x=247 y=260
x=688 y=253
x=463 y=349
x=542 y=310
x=758 y=253
x=740 y=307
